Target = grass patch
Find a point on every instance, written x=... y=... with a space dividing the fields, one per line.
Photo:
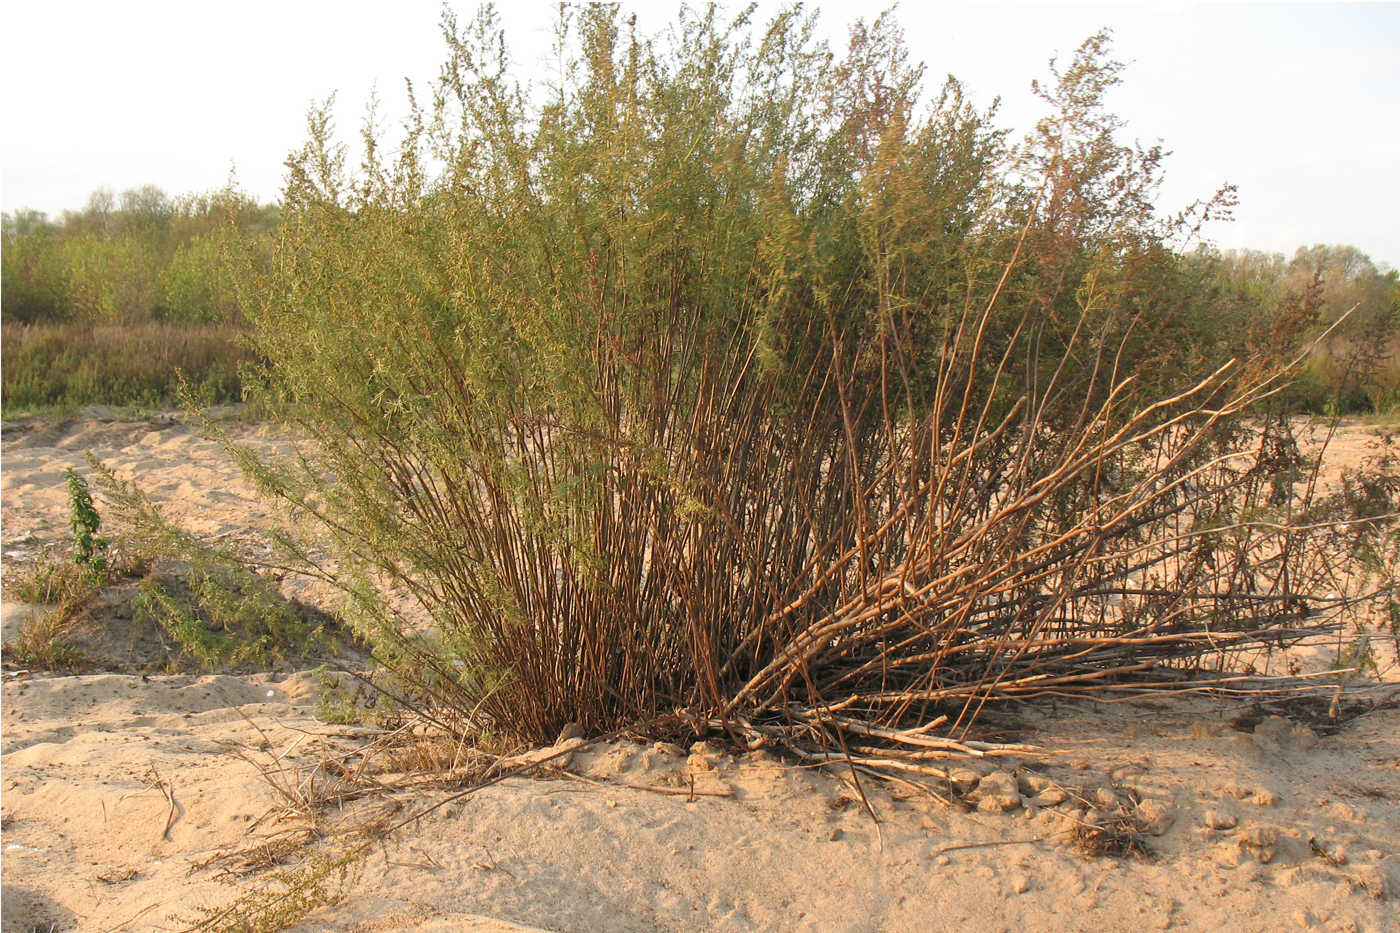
x=46 y=642
x=59 y=367
x=55 y=577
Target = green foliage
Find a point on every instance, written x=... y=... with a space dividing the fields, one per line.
x=89 y=550
x=92 y=302
x=224 y=617
x=33 y=274
x=1329 y=302
x=337 y=702
x=136 y=258
x=195 y=288
x=68 y=366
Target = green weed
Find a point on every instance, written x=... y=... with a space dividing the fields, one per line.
x=89 y=550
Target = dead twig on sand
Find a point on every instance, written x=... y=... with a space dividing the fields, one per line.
x=167 y=789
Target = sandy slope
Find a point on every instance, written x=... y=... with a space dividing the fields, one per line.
x=92 y=841
x=86 y=760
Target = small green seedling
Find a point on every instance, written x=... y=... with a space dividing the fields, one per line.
x=89 y=550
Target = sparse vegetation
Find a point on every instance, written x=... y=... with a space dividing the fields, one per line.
x=224 y=617
x=288 y=895
x=66 y=582
x=217 y=610
x=213 y=611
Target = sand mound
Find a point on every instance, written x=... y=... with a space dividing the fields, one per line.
x=121 y=790
x=1248 y=827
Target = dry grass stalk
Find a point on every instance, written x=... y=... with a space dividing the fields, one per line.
x=270 y=852
x=1119 y=835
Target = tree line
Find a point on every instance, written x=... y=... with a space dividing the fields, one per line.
x=139 y=256
x=144 y=256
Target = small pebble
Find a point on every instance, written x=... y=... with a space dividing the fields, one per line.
x=1236 y=789
x=1261 y=842
x=998 y=803
x=963 y=779
x=1157 y=815
x=1220 y=819
x=1372 y=879
x=1227 y=855
x=998 y=782
x=1030 y=783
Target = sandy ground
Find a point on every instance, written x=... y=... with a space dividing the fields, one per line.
x=118 y=790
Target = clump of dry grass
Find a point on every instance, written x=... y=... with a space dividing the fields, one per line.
x=54 y=577
x=1118 y=835
x=269 y=852
x=45 y=642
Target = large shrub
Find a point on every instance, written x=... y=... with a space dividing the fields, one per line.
x=721 y=375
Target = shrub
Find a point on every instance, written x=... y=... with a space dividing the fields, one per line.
x=727 y=380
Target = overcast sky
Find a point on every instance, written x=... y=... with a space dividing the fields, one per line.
x=1298 y=105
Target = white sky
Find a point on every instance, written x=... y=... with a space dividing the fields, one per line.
x=1298 y=105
